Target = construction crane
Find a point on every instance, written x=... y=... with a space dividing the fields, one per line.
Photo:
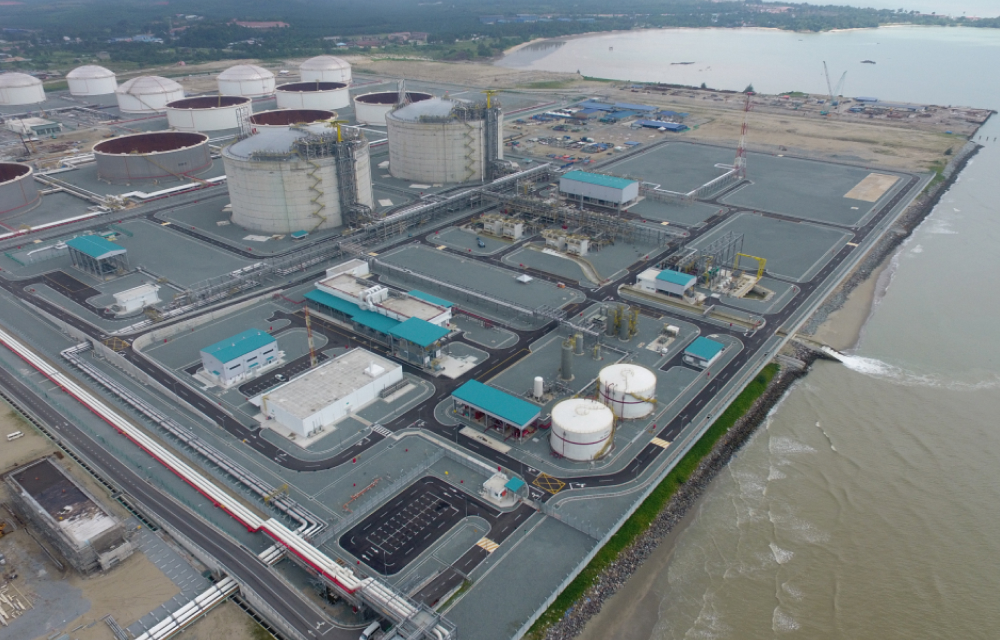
x=834 y=94
x=309 y=338
x=829 y=87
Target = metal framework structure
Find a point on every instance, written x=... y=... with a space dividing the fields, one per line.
x=740 y=165
x=706 y=262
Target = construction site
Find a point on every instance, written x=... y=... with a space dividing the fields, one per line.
x=371 y=350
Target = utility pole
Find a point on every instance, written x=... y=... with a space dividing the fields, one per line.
x=309 y=337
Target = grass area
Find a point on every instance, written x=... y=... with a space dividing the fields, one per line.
x=548 y=84
x=652 y=506
x=937 y=167
x=466 y=585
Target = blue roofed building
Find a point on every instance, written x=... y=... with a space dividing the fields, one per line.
x=599 y=189
x=703 y=352
x=240 y=357
x=494 y=409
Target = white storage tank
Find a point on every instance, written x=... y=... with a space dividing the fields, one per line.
x=628 y=390
x=313 y=95
x=582 y=429
x=283 y=180
x=20 y=88
x=439 y=140
x=91 y=80
x=147 y=94
x=326 y=69
x=371 y=108
x=284 y=118
x=246 y=80
x=18 y=189
x=208 y=113
x=152 y=157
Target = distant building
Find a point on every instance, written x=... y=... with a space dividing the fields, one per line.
x=260 y=25
x=37 y=127
x=240 y=357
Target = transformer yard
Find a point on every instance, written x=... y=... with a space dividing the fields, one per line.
x=381 y=351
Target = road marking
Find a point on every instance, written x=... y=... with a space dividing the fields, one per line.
x=488 y=545
x=852 y=244
x=660 y=442
x=548 y=483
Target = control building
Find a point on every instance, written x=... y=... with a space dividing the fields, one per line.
x=91 y=80
x=323 y=395
x=209 y=113
x=20 y=88
x=152 y=157
x=599 y=189
x=303 y=178
x=69 y=518
x=18 y=190
x=439 y=141
x=135 y=299
x=326 y=69
x=240 y=357
x=703 y=352
x=247 y=80
x=147 y=94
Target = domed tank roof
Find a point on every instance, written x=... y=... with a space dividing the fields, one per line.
x=434 y=107
x=246 y=72
x=14 y=79
x=582 y=415
x=277 y=140
x=90 y=72
x=148 y=85
x=324 y=63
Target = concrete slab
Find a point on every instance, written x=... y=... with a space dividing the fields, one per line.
x=675 y=166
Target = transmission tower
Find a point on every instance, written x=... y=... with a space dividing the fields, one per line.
x=309 y=338
x=741 y=151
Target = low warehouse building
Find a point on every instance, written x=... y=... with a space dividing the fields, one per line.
x=240 y=357
x=322 y=396
x=494 y=409
x=703 y=352
x=667 y=281
x=599 y=189
x=135 y=299
x=34 y=127
x=70 y=518
x=98 y=257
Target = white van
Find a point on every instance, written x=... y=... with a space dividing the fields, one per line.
x=370 y=631
x=15 y=435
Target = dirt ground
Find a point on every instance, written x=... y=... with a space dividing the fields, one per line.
x=226 y=622
x=17 y=452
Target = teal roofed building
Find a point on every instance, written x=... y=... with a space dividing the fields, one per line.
x=703 y=352
x=98 y=257
x=240 y=357
x=495 y=409
x=599 y=189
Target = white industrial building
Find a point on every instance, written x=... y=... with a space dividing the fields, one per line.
x=502 y=226
x=20 y=88
x=628 y=389
x=598 y=189
x=240 y=357
x=570 y=243
x=91 y=80
x=371 y=296
x=135 y=299
x=667 y=281
x=582 y=429
x=325 y=69
x=147 y=94
x=320 y=397
x=247 y=80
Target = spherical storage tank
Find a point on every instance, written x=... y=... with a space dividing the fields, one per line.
x=627 y=389
x=208 y=113
x=313 y=95
x=582 y=429
x=325 y=69
x=283 y=180
x=152 y=157
x=20 y=88
x=371 y=108
x=147 y=94
x=18 y=192
x=439 y=140
x=246 y=80
x=91 y=80
x=284 y=118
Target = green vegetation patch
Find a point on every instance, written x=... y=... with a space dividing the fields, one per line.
x=651 y=507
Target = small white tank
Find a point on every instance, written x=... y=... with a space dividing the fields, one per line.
x=628 y=389
x=582 y=429
x=539 y=387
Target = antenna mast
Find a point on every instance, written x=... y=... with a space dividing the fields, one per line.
x=741 y=151
x=309 y=337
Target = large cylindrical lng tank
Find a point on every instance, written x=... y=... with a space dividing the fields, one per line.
x=247 y=80
x=371 y=108
x=313 y=95
x=284 y=118
x=439 y=140
x=628 y=389
x=152 y=157
x=208 y=113
x=147 y=94
x=325 y=69
x=18 y=191
x=582 y=429
x=283 y=180
x=91 y=80
x=20 y=88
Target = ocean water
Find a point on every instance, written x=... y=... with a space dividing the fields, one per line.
x=867 y=505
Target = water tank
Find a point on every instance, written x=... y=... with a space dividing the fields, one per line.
x=20 y=88
x=313 y=95
x=91 y=80
x=371 y=108
x=284 y=118
x=439 y=140
x=274 y=188
x=147 y=94
x=325 y=69
x=538 y=389
x=628 y=389
x=246 y=80
x=582 y=429
x=18 y=191
x=208 y=113
x=152 y=157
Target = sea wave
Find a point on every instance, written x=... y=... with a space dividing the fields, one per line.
x=883 y=370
